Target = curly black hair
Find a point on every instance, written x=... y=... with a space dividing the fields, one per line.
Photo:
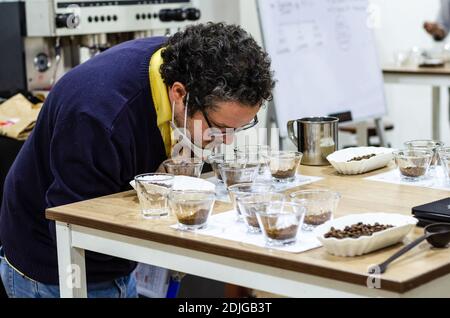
x=218 y=63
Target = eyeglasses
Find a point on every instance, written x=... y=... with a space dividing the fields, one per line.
x=229 y=131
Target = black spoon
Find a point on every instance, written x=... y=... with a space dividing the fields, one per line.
x=438 y=235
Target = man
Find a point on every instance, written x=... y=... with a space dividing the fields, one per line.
x=439 y=29
x=110 y=119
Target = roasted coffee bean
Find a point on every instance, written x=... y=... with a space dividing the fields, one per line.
x=356 y=231
x=362 y=158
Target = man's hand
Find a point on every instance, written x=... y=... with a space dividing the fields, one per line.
x=435 y=30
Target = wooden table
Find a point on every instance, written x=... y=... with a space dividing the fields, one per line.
x=436 y=77
x=113 y=225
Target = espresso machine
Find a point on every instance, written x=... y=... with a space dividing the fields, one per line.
x=43 y=39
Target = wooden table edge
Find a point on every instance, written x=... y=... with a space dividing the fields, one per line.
x=204 y=246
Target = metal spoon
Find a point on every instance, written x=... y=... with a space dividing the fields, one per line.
x=438 y=235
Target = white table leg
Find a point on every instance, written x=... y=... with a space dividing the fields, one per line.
x=436 y=112
x=361 y=134
x=71 y=265
x=380 y=131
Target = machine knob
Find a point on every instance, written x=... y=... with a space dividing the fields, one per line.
x=167 y=15
x=42 y=62
x=67 y=20
x=193 y=14
x=179 y=15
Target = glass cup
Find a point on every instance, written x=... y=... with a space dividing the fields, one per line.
x=241 y=189
x=284 y=164
x=192 y=208
x=253 y=149
x=444 y=156
x=416 y=56
x=153 y=190
x=191 y=167
x=216 y=159
x=256 y=154
x=401 y=58
x=252 y=203
x=431 y=145
x=238 y=172
x=320 y=206
x=281 y=222
x=413 y=164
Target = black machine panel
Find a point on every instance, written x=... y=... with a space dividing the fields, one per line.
x=12 y=67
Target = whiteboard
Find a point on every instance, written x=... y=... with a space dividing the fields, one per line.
x=324 y=57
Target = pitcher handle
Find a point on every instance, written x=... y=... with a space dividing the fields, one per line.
x=291 y=133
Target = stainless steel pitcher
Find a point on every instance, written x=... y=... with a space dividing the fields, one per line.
x=317 y=137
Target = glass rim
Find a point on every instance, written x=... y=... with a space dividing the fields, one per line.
x=272 y=213
x=284 y=152
x=252 y=147
x=401 y=153
x=248 y=165
x=436 y=143
x=213 y=155
x=190 y=161
x=443 y=149
x=248 y=195
x=216 y=158
x=318 y=191
x=187 y=192
x=154 y=174
x=248 y=184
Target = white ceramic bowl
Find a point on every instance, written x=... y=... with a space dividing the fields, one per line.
x=189 y=183
x=340 y=159
x=365 y=244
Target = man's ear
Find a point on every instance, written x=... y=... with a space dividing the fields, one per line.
x=177 y=94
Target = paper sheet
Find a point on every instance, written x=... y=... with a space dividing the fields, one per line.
x=226 y=226
x=152 y=281
x=435 y=179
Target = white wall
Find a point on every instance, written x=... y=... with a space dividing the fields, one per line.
x=401 y=25
x=220 y=11
x=409 y=107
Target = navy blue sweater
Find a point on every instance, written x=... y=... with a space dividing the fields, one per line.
x=96 y=131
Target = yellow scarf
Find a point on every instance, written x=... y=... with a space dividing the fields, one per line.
x=161 y=100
